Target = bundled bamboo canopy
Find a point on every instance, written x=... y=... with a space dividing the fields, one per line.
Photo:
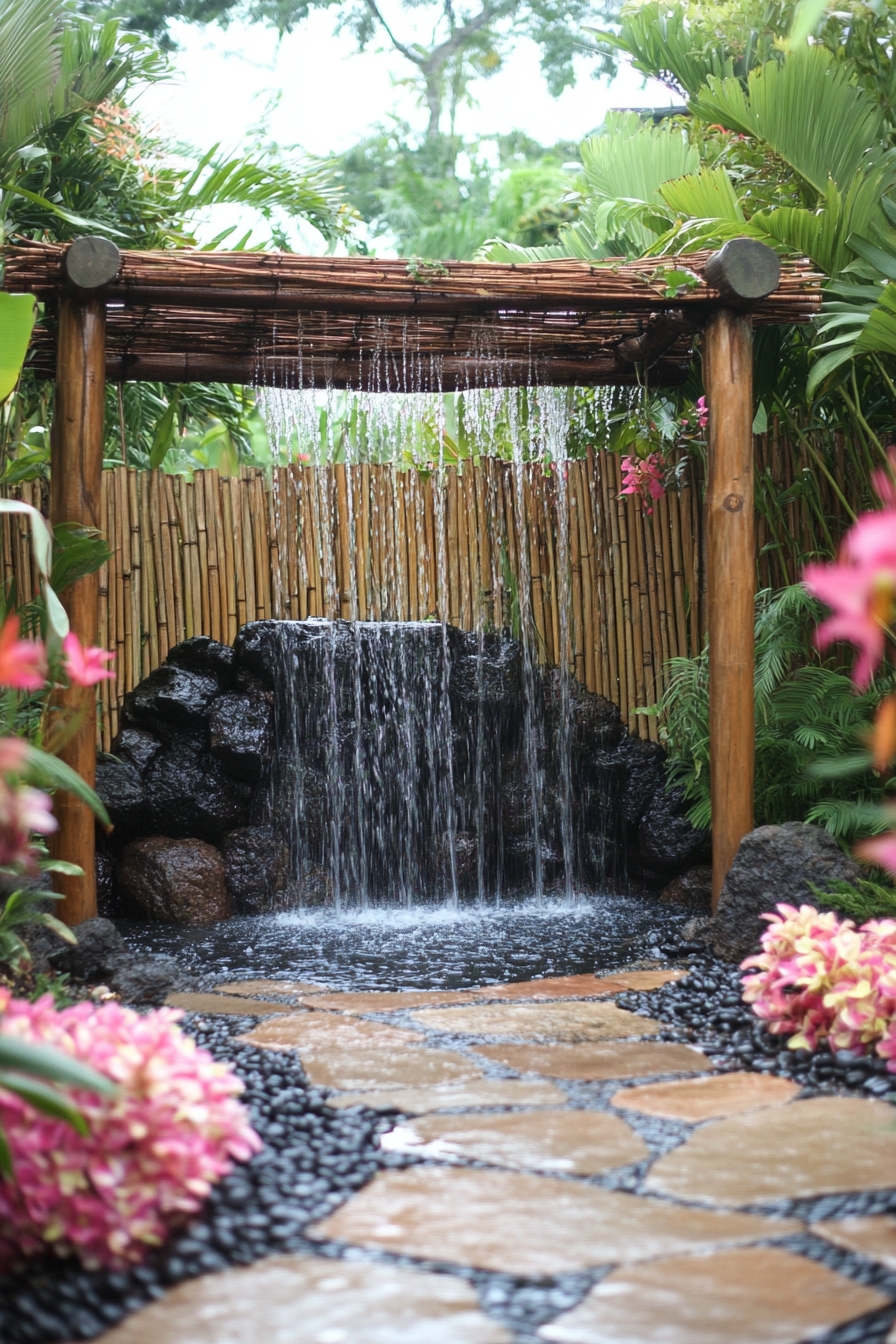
x=291 y=321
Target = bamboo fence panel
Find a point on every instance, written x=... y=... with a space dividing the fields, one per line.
x=488 y=545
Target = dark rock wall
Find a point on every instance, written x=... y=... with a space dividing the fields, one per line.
x=318 y=762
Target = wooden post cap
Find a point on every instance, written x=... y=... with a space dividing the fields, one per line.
x=91 y=262
x=744 y=272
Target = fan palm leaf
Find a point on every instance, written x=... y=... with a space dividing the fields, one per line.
x=808 y=110
x=30 y=57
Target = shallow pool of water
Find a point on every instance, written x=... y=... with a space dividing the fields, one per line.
x=423 y=948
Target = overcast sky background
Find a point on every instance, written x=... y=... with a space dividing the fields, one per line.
x=327 y=96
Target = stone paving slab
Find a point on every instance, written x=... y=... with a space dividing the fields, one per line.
x=696 y=1099
x=759 y=1295
x=386 y=1001
x=595 y=1063
x=580 y=986
x=580 y=1020
x=357 y=1070
x=305 y=1031
x=226 y=1005
x=298 y=1299
x=569 y=1142
x=874 y=1236
x=290 y=988
x=523 y=1224
x=823 y=1146
x=490 y=1092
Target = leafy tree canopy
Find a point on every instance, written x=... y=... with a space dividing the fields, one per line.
x=467 y=42
x=74 y=157
x=444 y=198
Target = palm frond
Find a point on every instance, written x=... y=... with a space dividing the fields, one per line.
x=29 y=68
x=302 y=189
x=806 y=108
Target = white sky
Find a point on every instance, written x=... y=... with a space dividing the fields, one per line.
x=327 y=96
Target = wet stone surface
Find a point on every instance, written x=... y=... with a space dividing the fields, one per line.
x=529 y=1245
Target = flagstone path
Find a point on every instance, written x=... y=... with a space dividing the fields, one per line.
x=547 y=1133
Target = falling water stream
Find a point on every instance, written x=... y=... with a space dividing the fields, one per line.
x=416 y=763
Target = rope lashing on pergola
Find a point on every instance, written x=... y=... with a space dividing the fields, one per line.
x=409 y=326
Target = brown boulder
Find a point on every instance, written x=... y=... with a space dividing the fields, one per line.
x=174 y=881
x=692 y=890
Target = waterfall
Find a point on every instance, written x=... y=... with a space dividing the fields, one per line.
x=418 y=761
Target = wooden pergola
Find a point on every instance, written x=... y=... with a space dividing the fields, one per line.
x=382 y=325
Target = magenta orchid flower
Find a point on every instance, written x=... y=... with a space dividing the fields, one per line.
x=24 y=812
x=861 y=599
x=645 y=477
x=879 y=849
x=13 y=755
x=85 y=666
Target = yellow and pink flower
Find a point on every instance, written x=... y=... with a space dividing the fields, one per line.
x=819 y=978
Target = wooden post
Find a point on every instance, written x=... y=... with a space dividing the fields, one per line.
x=744 y=272
x=76 y=470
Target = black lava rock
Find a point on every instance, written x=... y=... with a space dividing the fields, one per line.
x=667 y=842
x=99 y=950
x=106 y=895
x=593 y=723
x=775 y=863
x=147 y=982
x=257 y=649
x=492 y=680
x=190 y=794
x=119 y=786
x=201 y=654
x=241 y=730
x=257 y=869
x=170 y=698
x=644 y=765
x=137 y=747
x=101 y=957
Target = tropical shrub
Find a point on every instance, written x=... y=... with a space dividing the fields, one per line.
x=146 y=1155
x=860 y=900
x=819 y=978
x=807 y=714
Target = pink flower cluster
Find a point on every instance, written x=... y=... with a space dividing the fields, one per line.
x=820 y=978
x=152 y=1152
x=644 y=476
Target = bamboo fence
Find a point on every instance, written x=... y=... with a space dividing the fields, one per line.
x=611 y=591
